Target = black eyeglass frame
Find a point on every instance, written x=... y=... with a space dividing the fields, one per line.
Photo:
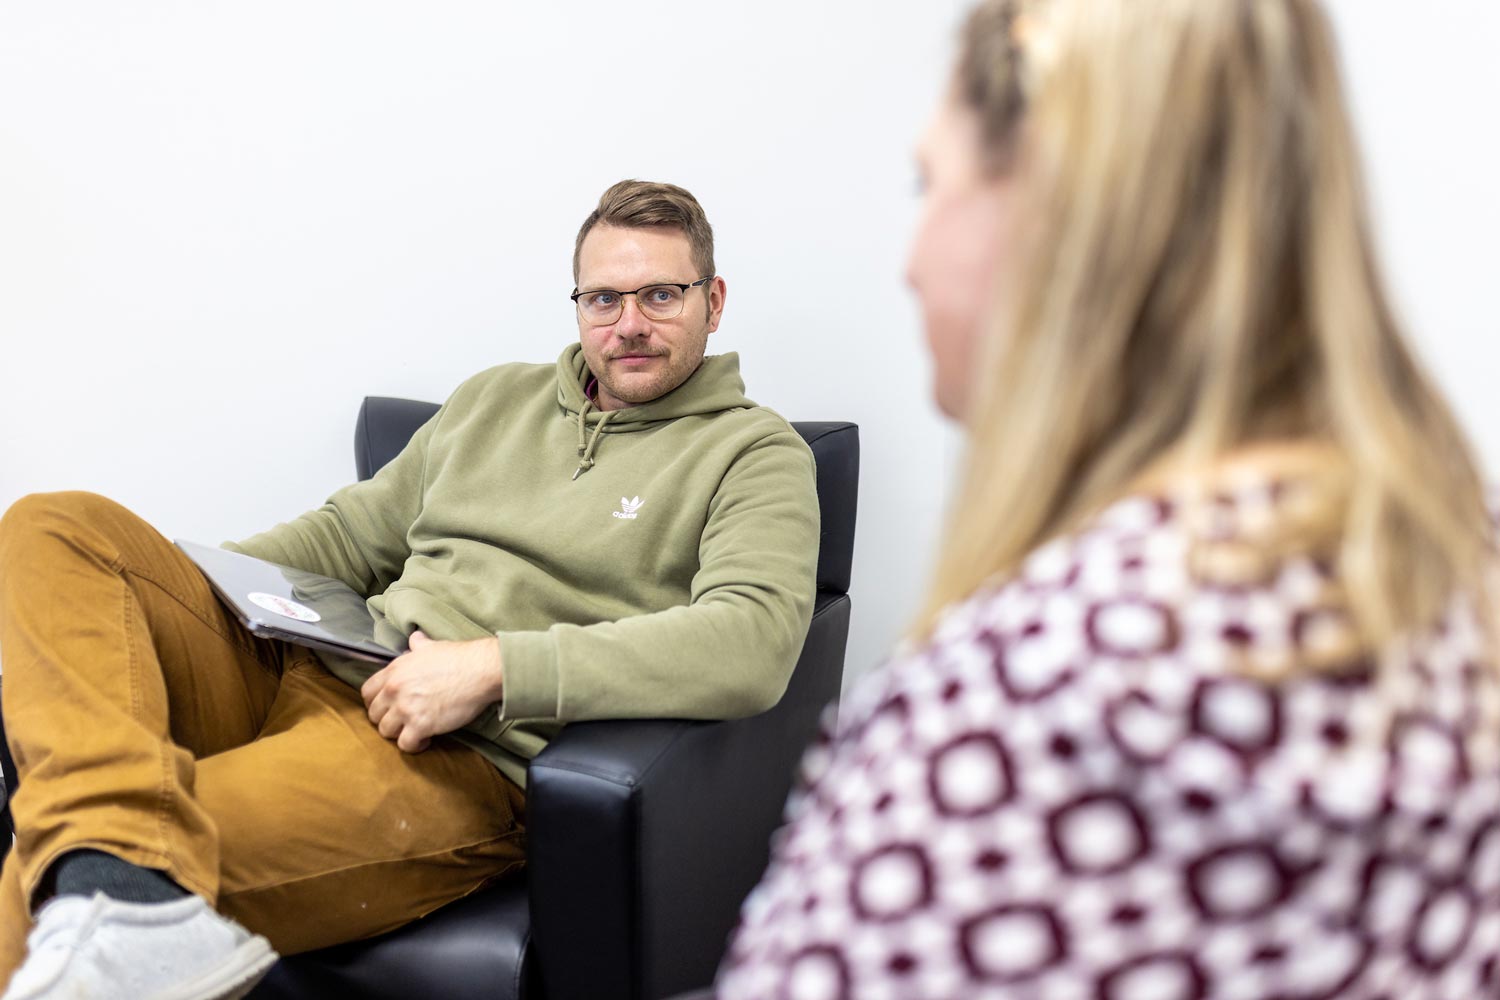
x=637 y=293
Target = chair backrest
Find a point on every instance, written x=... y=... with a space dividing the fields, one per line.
x=386 y=424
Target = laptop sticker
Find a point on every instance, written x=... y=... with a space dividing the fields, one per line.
x=284 y=607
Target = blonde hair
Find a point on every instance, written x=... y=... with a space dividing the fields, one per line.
x=632 y=204
x=1199 y=276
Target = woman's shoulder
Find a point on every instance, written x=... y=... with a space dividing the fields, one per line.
x=1156 y=631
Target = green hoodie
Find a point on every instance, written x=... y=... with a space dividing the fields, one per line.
x=657 y=561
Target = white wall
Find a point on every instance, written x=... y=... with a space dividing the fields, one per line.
x=222 y=224
x=1425 y=85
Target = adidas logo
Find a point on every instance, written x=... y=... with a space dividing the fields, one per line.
x=628 y=508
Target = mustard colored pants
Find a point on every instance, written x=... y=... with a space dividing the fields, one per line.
x=147 y=722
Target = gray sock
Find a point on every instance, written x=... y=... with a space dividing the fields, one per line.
x=85 y=872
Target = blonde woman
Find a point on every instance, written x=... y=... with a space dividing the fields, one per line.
x=1205 y=701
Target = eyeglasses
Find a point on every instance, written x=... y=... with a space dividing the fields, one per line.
x=603 y=306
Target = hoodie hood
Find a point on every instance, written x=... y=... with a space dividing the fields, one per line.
x=715 y=387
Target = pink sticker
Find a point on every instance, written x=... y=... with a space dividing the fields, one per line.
x=284 y=607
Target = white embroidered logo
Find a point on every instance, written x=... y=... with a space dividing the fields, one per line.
x=628 y=508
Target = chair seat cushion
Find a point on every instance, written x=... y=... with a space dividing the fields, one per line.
x=474 y=948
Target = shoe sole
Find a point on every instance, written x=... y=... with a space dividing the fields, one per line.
x=230 y=979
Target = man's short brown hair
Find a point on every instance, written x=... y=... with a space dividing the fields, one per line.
x=650 y=204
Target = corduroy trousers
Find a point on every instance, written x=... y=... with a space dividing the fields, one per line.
x=145 y=721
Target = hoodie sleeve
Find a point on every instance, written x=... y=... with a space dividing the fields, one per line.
x=729 y=652
x=360 y=535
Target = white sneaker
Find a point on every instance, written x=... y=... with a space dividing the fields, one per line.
x=99 y=948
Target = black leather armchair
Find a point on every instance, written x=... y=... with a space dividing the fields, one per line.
x=643 y=836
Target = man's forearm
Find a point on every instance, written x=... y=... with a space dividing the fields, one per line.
x=720 y=659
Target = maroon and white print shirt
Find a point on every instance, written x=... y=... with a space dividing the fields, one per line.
x=1084 y=786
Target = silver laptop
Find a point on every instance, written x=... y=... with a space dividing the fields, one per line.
x=279 y=602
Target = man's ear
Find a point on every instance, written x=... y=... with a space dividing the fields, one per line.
x=717 y=291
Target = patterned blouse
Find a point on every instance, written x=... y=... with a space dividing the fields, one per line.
x=1108 y=779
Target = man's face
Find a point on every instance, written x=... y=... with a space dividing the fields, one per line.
x=636 y=358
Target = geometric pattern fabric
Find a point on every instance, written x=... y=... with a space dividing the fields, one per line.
x=1116 y=776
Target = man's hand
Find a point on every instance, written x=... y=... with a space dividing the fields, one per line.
x=433 y=688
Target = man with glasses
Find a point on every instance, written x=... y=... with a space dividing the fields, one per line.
x=621 y=534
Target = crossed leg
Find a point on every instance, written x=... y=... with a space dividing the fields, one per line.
x=145 y=722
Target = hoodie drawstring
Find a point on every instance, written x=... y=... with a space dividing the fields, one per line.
x=588 y=404
x=586 y=451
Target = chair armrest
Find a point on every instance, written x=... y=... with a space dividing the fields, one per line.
x=644 y=836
